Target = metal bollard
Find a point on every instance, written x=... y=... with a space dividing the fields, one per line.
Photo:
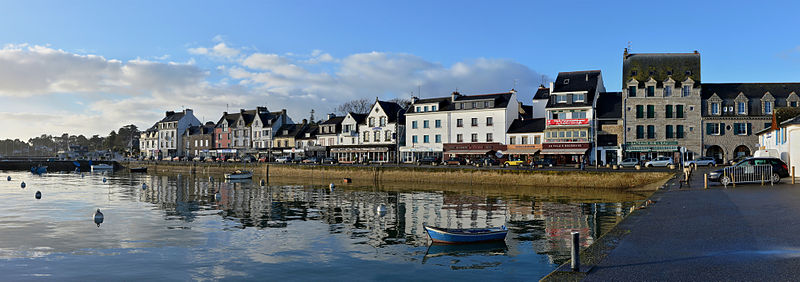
x=705 y=181
x=576 y=259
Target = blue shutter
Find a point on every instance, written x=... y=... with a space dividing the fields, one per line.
x=749 y=128
x=721 y=128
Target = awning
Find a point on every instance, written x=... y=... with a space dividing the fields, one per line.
x=467 y=152
x=651 y=149
x=564 y=151
x=521 y=151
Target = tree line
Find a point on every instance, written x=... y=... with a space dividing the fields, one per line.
x=125 y=140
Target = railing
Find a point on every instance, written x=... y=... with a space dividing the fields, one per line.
x=747 y=174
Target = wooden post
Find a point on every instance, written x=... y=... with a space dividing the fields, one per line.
x=705 y=181
x=733 y=180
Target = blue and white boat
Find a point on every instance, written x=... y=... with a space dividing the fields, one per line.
x=469 y=235
x=39 y=169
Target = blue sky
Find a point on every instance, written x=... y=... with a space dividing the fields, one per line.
x=102 y=64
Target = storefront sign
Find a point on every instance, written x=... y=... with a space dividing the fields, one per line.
x=473 y=146
x=652 y=143
x=578 y=121
x=551 y=146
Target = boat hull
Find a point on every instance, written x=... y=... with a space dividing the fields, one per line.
x=464 y=236
x=38 y=169
x=245 y=175
x=102 y=167
x=139 y=169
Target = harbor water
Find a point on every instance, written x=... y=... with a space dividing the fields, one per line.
x=199 y=227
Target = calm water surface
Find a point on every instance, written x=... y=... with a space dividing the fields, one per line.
x=189 y=228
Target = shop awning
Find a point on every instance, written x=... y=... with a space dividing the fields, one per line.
x=564 y=151
x=467 y=152
x=651 y=149
x=521 y=151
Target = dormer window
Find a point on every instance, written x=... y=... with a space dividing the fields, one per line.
x=631 y=91
x=426 y=109
x=687 y=90
x=433 y=108
x=768 y=107
x=651 y=91
x=741 y=108
x=418 y=109
x=667 y=91
x=669 y=72
x=715 y=108
x=561 y=98
x=566 y=81
x=578 y=97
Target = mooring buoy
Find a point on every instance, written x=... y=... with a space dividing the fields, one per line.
x=104 y=180
x=332 y=186
x=217 y=197
x=98 y=217
x=38 y=195
x=144 y=186
x=22 y=185
x=263 y=182
x=8 y=178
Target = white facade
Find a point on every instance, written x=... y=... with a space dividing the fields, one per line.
x=786 y=140
x=350 y=131
x=530 y=138
x=265 y=125
x=170 y=139
x=378 y=129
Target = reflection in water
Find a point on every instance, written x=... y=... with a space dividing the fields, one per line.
x=218 y=229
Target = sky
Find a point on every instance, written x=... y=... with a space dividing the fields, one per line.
x=90 y=67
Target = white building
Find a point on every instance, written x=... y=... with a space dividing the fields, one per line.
x=785 y=138
x=329 y=130
x=373 y=139
x=170 y=132
x=148 y=142
x=432 y=123
x=264 y=126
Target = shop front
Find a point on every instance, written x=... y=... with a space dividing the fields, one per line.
x=472 y=151
x=526 y=152
x=364 y=153
x=412 y=154
x=566 y=153
x=648 y=150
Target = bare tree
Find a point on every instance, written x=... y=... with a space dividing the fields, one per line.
x=358 y=106
x=403 y=102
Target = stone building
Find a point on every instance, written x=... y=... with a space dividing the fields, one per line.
x=199 y=140
x=661 y=105
x=733 y=112
x=609 y=128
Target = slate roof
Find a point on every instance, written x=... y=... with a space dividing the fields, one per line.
x=501 y=100
x=231 y=118
x=359 y=118
x=172 y=116
x=391 y=109
x=609 y=105
x=527 y=126
x=334 y=120
x=542 y=93
x=660 y=66
x=575 y=81
x=753 y=91
x=200 y=129
x=527 y=111
x=294 y=130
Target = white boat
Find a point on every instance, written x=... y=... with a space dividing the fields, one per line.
x=102 y=167
x=239 y=174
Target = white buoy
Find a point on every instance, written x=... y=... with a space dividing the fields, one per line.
x=104 y=180
x=22 y=185
x=98 y=217
x=144 y=186
x=38 y=195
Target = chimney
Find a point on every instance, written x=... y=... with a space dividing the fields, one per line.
x=305 y=121
x=241 y=110
x=169 y=113
x=626 y=53
x=587 y=76
x=414 y=99
x=331 y=115
x=695 y=51
x=283 y=116
x=454 y=96
x=551 y=87
x=512 y=91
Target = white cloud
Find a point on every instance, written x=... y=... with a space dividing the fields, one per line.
x=220 y=50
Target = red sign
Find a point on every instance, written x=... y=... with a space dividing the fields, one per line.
x=577 y=121
x=565 y=146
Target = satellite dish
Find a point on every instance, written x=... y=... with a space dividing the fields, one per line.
x=498 y=154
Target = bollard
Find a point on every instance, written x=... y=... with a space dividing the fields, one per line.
x=733 y=180
x=576 y=260
x=705 y=181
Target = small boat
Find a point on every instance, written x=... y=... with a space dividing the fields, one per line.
x=39 y=169
x=468 y=235
x=138 y=169
x=239 y=174
x=102 y=167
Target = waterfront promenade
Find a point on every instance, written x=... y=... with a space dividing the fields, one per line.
x=743 y=233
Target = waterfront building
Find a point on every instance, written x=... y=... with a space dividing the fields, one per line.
x=540 y=99
x=524 y=139
x=199 y=140
x=285 y=142
x=306 y=141
x=148 y=142
x=222 y=132
x=570 y=117
x=662 y=105
x=733 y=112
x=785 y=138
x=264 y=126
x=379 y=135
x=329 y=131
x=446 y=126
x=609 y=136
x=348 y=139
x=170 y=132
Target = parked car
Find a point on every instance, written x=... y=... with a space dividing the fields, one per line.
x=660 y=161
x=487 y=162
x=545 y=162
x=514 y=162
x=298 y=160
x=629 y=162
x=311 y=160
x=779 y=170
x=262 y=159
x=176 y=159
x=211 y=159
x=704 y=161
x=429 y=160
x=282 y=160
x=455 y=161
x=330 y=161
x=737 y=160
x=198 y=159
x=248 y=159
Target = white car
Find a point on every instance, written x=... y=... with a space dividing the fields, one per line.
x=704 y=161
x=282 y=160
x=660 y=161
x=630 y=162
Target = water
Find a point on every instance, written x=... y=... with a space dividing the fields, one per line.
x=186 y=228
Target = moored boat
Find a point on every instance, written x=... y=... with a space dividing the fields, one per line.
x=39 y=169
x=467 y=235
x=102 y=167
x=239 y=174
x=138 y=169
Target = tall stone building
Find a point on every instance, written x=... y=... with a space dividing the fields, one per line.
x=662 y=105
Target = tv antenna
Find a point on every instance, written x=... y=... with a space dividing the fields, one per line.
x=629 y=47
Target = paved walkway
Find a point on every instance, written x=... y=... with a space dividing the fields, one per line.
x=747 y=233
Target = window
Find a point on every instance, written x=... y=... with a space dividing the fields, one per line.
x=437 y=123
x=651 y=131
x=668 y=111
x=433 y=108
x=579 y=97
x=651 y=111
x=458 y=106
x=741 y=128
x=426 y=109
x=687 y=90
x=561 y=98
x=414 y=139
x=793 y=104
x=459 y=123
x=639 y=131
x=366 y=136
x=631 y=91
x=579 y=115
x=474 y=137
x=459 y=138
x=714 y=108
x=474 y=105
x=566 y=81
x=561 y=134
x=639 y=111
x=414 y=124
x=376 y=136
x=651 y=91
x=371 y=122
x=488 y=137
x=383 y=121
x=485 y=104
x=679 y=131
x=474 y=121
x=524 y=140
x=713 y=128
x=537 y=140
x=741 y=108
x=768 y=107
x=679 y=111
x=426 y=124
x=667 y=91
x=489 y=121
x=668 y=131
x=417 y=109
x=512 y=140
x=426 y=139
x=438 y=138
x=346 y=128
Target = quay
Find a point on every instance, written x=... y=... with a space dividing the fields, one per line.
x=743 y=233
